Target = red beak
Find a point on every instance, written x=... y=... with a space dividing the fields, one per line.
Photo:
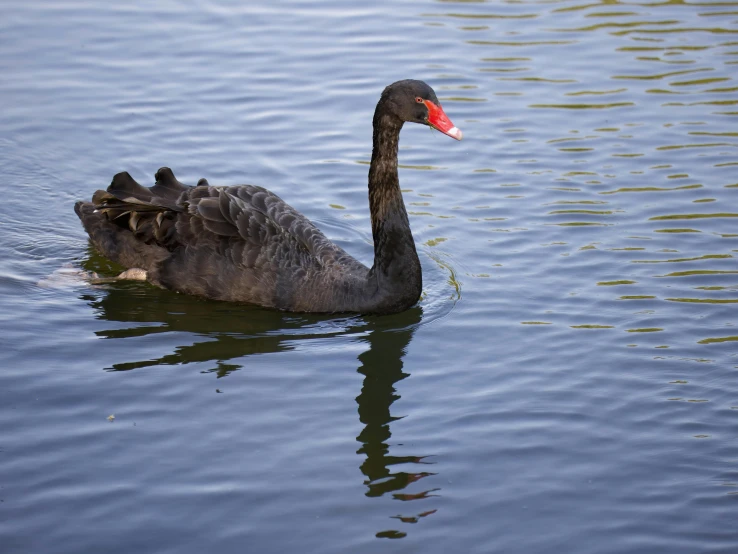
x=439 y=120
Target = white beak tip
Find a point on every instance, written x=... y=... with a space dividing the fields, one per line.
x=455 y=132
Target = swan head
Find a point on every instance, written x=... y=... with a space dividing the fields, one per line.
x=416 y=102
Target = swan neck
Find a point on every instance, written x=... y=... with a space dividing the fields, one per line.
x=396 y=264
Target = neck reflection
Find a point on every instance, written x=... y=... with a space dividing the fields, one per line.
x=382 y=367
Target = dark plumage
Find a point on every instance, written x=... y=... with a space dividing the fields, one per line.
x=245 y=244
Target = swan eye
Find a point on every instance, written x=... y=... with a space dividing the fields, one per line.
x=418 y=99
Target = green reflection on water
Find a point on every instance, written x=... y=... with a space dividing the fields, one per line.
x=420 y=167
x=699 y=81
x=482 y=15
x=609 y=25
x=699 y=272
x=660 y=48
x=593 y=212
x=576 y=174
x=692 y=216
x=610 y=14
x=508 y=59
x=661 y=60
x=705 y=133
x=712 y=14
x=573 y=139
x=713 y=103
x=715 y=288
x=660 y=75
x=650 y=189
x=717 y=340
x=583 y=106
x=502 y=70
x=521 y=43
x=705 y=257
x=677 y=230
x=435 y=242
x=597 y=92
x=705 y=300
x=580 y=224
x=538 y=80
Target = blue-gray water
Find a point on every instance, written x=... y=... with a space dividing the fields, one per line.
x=567 y=384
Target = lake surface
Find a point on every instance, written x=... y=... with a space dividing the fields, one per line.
x=568 y=382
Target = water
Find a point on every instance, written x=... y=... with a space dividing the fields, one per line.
x=568 y=382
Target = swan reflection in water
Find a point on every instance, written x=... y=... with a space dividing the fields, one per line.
x=223 y=334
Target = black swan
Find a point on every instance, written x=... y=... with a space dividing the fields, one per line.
x=245 y=244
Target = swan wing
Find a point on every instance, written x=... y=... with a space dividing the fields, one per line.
x=247 y=223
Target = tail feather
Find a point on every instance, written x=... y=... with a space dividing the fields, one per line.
x=164 y=194
x=167 y=186
x=124 y=187
x=146 y=214
x=116 y=242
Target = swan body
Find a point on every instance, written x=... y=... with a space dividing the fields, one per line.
x=245 y=244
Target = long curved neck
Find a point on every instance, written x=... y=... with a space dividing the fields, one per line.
x=396 y=264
